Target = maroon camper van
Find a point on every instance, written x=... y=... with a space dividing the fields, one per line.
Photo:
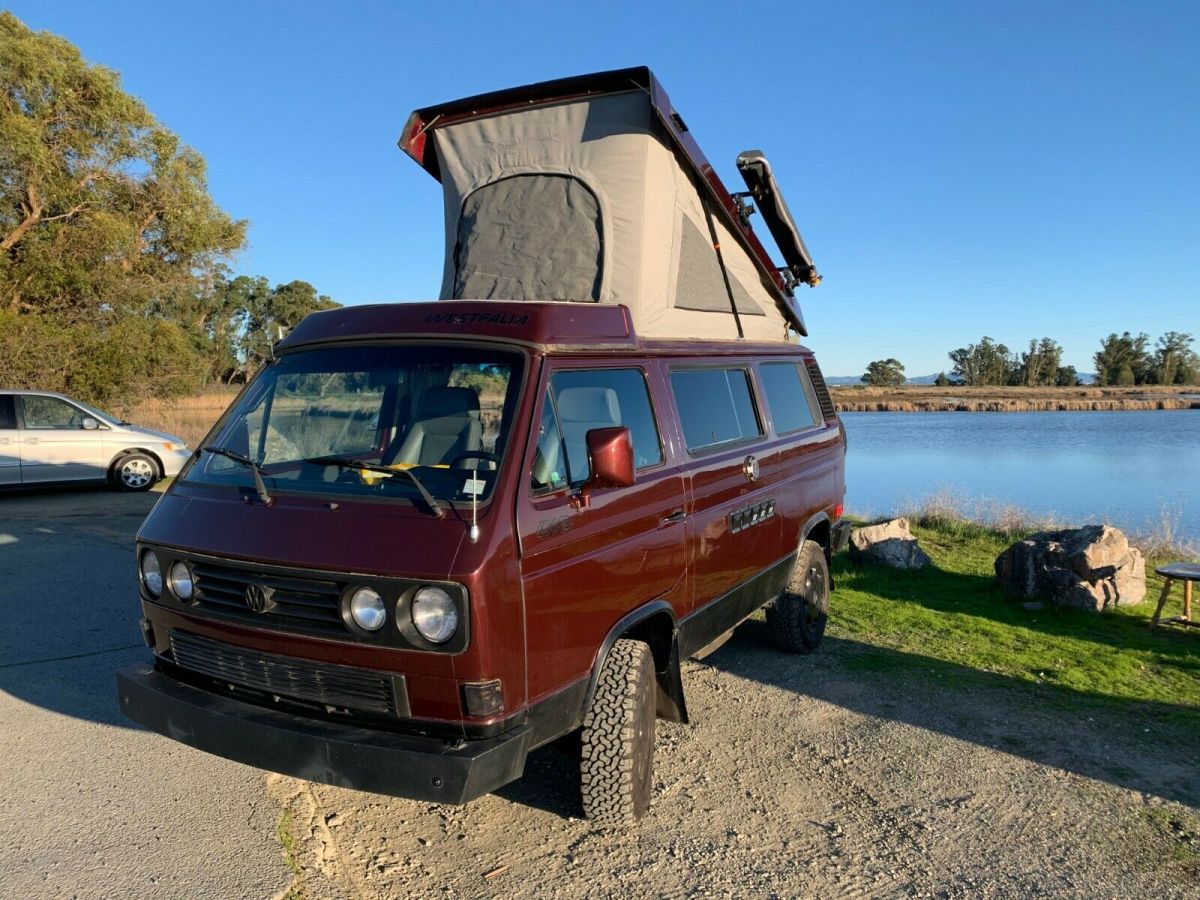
x=431 y=537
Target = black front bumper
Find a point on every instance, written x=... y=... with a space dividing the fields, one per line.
x=412 y=766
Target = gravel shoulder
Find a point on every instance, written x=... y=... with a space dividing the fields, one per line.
x=800 y=776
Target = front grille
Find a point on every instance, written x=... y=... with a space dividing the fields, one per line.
x=818 y=382
x=307 y=604
x=332 y=687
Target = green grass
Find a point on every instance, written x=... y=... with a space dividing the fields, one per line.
x=287 y=840
x=950 y=622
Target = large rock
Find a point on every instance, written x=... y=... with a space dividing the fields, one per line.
x=890 y=543
x=1086 y=568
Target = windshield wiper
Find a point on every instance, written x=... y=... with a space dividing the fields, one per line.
x=259 y=485
x=345 y=462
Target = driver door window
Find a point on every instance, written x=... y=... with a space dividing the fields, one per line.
x=50 y=412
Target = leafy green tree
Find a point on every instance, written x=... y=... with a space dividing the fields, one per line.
x=1124 y=360
x=1066 y=377
x=884 y=373
x=942 y=380
x=1174 y=360
x=985 y=363
x=1040 y=363
x=101 y=208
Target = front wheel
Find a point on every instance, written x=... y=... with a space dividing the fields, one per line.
x=616 y=771
x=135 y=472
x=796 y=620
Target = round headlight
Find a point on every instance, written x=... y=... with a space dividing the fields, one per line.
x=367 y=609
x=181 y=581
x=434 y=615
x=151 y=573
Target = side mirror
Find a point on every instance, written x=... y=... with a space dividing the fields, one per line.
x=610 y=456
x=90 y=424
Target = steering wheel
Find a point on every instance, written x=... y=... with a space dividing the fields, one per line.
x=476 y=454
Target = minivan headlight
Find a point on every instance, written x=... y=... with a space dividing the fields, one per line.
x=434 y=614
x=367 y=609
x=180 y=580
x=151 y=573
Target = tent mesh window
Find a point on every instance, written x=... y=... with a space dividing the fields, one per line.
x=700 y=285
x=529 y=237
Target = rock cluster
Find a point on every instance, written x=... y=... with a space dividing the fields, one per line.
x=889 y=543
x=1093 y=567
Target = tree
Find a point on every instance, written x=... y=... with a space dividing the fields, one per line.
x=109 y=240
x=884 y=373
x=1174 y=360
x=985 y=363
x=1066 y=377
x=942 y=380
x=1039 y=364
x=1124 y=360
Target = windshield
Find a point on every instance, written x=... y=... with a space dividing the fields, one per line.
x=342 y=420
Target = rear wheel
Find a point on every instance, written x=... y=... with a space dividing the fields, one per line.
x=796 y=620
x=135 y=472
x=616 y=770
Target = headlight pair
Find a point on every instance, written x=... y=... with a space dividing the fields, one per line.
x=432 y=610
x=179 y=578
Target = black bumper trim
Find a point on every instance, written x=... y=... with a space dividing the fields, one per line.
x=411 y=766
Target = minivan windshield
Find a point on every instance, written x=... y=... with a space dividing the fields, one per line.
x=385 y=421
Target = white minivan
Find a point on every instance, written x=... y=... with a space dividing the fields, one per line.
x=46 y=437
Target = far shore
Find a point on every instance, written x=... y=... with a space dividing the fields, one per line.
x=1089 y=398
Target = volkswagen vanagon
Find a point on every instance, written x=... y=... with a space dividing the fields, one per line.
x=429 y=538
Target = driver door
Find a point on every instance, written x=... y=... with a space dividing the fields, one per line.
x=54 y=444
x=585 y=567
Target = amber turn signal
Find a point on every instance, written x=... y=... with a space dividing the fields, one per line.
x=484 y=698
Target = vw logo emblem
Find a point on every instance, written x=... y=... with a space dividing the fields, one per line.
x=258 y=598
x=750 y=468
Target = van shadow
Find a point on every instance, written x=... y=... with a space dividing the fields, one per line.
x=68 y=599
x=981 y=596
x=1142 y=746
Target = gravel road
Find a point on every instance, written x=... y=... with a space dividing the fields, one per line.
x=814 y=776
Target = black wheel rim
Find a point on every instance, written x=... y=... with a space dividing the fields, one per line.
x=813 y=596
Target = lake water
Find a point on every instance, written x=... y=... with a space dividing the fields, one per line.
x=1127 y=468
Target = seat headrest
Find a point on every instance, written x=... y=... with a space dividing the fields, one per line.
x=589 y=404
x=440 y=402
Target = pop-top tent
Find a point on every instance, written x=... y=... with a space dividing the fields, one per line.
x=591 y=189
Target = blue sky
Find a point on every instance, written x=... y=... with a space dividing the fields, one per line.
x=1015 y=169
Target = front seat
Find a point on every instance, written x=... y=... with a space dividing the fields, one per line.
x=581 y=409
x=446 y=424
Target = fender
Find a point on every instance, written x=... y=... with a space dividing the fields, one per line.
x=813 y=522
x=670 y=704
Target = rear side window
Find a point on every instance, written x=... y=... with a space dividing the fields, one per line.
x=715 y=406
x=8 y=412
x=577 y=402
x=791 y=406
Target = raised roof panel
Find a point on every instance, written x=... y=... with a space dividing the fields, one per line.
x=591 y=190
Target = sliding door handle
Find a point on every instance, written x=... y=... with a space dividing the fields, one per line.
x=671 y=518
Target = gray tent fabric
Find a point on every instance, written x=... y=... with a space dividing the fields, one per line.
x=700 y=285
x=529 y=237
x=644 y=243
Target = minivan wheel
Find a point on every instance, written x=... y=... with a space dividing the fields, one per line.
x=616 y=770
x=135 y=472
x=796 y=620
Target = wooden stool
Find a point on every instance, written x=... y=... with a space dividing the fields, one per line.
x=1187 y=573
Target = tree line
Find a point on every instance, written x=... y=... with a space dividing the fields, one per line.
x=114 y=258
x=1121 y=360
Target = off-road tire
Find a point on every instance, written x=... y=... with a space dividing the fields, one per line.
x=616 y=769
x=796 y=620
x=135 y=472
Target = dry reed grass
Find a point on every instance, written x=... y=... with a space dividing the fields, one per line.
x=188 y=417
x=920 y=398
